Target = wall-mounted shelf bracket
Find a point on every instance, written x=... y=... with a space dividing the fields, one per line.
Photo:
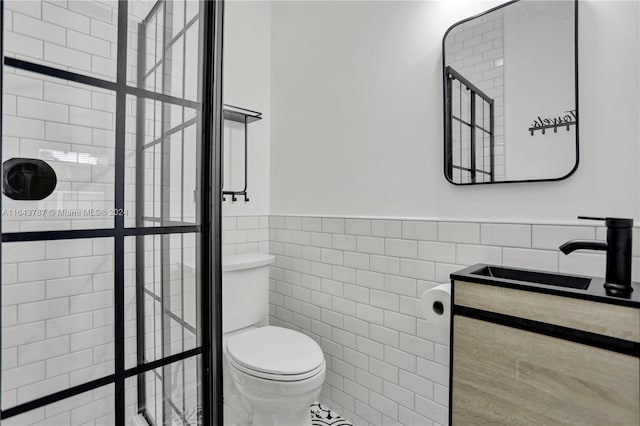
x=244 y=116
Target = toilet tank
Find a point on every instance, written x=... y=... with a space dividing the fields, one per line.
x=245 y=290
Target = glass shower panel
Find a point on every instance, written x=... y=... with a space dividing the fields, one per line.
x=172 y=394
x=166 y=58
x=71 y=127
x=89 y=408
x=57 y=301
x=169 y=298
x=78 y=36
x=161 y=164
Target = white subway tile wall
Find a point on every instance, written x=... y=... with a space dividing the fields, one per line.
x=58 y=295
x=91 y=408
x=250 y=234
x=353 y=285
x=60 y=330
x=69 y=125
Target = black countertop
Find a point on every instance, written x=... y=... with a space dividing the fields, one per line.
x=595 y=291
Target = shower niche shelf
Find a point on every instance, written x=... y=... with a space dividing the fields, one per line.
x=246 y=117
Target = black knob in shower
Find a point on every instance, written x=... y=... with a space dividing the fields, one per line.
x=27 y=179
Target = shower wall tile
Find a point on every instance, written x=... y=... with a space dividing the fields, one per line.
x=88 y=44
x=38 y=29
x=96 y=10
x=64 y=17
x=64 y=56
x=386 y=364
x=33 y=9
x=56 y=327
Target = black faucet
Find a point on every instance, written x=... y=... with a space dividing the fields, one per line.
x=618 y=248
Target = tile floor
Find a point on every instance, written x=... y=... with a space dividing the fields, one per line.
x=323 y=416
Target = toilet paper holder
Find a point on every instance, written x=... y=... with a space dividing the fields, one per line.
x=435 y=304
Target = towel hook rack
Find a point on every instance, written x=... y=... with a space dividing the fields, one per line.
x=244 y=116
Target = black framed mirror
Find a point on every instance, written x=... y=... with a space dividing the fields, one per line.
x=510 y=79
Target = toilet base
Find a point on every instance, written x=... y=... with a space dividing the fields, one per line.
x=261 y=418
x=270 y=403
x=300 y=417
x=246 y=408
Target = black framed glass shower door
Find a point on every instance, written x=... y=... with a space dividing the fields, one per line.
x=106 y=294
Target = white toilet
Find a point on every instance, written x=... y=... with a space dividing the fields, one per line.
x=272 y=374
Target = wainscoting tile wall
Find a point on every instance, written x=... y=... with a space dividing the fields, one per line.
x=354 y=286
x=245 y=234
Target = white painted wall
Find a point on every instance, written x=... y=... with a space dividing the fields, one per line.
x=247 y=77
x=357 y=115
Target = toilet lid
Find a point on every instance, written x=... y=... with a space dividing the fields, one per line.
x=275 y=350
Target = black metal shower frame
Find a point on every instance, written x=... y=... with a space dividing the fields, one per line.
x=209 y=228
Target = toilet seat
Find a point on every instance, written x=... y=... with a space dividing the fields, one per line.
x=275 y=353
x=277 y=377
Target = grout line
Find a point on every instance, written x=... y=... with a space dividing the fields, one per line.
x=519 y=221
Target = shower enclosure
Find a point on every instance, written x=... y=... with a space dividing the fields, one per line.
x=110 y=292
x=469 y=131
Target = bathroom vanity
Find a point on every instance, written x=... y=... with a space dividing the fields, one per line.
x=531 y=348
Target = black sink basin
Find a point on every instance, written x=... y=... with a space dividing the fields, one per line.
x=544 y=278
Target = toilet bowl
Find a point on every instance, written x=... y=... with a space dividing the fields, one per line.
x=271 y=374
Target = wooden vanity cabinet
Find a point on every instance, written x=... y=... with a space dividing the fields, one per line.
x=510 y=372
